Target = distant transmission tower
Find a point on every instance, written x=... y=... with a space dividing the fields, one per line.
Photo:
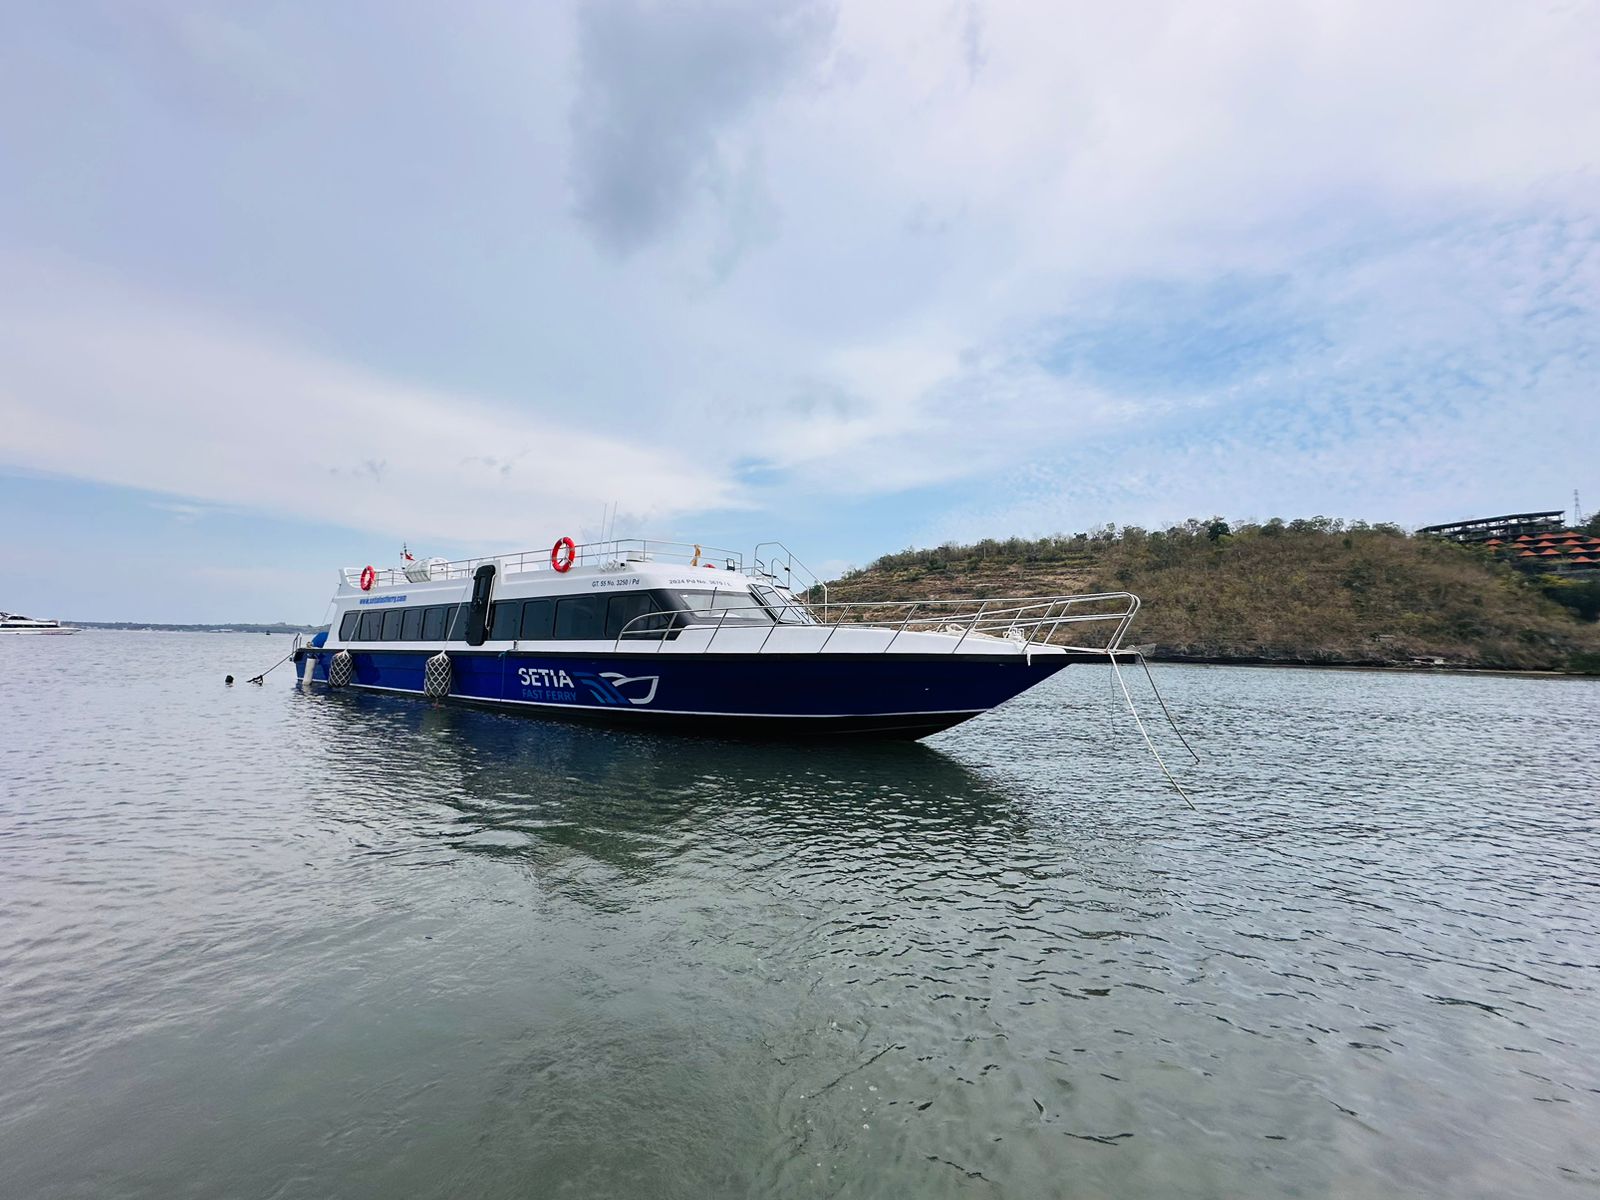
x=1577 y=510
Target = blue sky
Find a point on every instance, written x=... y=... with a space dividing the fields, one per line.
x=288 y=284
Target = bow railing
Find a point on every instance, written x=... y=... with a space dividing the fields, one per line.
x=1027 y=621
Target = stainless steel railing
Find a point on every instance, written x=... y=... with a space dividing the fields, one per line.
x=1028 y=621
x=783 y=569
x=620 y=551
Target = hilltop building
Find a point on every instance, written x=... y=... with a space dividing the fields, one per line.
x=1535 y=541
x=1568 y=552
x=1514 y=525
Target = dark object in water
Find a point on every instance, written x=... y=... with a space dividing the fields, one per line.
x=228 y=681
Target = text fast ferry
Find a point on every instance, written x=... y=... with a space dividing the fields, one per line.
x=662 y=635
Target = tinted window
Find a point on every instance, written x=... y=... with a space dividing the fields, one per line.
x=581 y=617
x=391 y=624
x=507 y=622
x=411 y=631
x=622 y=609
x=538 y=619
x=371 y=626
x=433 y=624
x=347 y=627
x=458 y=622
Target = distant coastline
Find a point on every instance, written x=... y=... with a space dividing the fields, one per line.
x=166 y=627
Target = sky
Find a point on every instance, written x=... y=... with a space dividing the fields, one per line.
x=286 y=285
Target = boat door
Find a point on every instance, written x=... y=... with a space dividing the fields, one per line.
x=478 y=609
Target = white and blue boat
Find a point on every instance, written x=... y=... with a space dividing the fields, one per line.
x=665 y=635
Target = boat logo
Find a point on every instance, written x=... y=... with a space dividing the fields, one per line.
x=609 y=687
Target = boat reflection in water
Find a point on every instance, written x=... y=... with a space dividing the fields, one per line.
x=500 y=787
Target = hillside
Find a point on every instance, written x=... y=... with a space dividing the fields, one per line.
x=1308 y=591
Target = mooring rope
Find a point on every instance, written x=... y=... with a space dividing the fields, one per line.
x=1145 y=663
x=262 y=678
x=1111 y=656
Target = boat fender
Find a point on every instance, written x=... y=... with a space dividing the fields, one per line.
x=436 y=674
x=563 y=554
x=368 y=577
x=341 y=669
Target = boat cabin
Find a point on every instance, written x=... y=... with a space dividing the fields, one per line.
x=498 y=603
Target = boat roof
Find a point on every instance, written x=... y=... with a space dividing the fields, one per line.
x=629 y=563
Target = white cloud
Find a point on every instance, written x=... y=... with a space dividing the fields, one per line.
x=103 y=384
x=852 y=240
x=936 y=218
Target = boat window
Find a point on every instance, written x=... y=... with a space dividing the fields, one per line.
x=391 y=624
x=458 y=622
x=507 y=622
x=433 y=623
x=786 y=611
x=538 y=619
x=412 y=630
x=371 y=626
x=630 y=605
x=724 y=607
x=347 y=627
x=580 y=617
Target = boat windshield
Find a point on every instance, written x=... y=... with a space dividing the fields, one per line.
x=786 y=609
x=723 y=607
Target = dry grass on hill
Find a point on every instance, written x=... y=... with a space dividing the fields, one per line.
x=1303 y=591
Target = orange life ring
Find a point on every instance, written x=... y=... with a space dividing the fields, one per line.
x=368 y=578
x=560 y=561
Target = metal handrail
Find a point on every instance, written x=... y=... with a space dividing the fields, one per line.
x=620 y=551
x=1033 y=621
x=792 y=567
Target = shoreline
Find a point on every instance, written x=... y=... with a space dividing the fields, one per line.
x=1394 y=668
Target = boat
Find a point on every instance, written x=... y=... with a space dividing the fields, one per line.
x=668 y=635
x=17 y=623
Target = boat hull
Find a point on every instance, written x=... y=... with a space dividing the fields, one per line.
x=743 y=695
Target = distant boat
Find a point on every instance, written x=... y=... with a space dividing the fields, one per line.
x=17 y=623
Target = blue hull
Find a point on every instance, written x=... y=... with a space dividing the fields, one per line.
x=728 y=694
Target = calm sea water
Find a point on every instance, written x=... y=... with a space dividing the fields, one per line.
x=258 y=943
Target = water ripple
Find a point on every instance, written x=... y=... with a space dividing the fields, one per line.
x=256 y=942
